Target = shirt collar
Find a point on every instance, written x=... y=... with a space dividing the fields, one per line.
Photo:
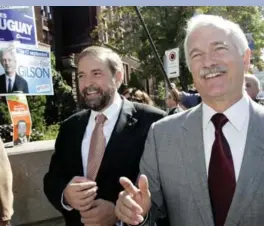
x=112 y=111
x=241 y=107
x=12 y=78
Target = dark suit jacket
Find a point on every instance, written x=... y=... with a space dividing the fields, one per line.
x=6 y=182
x=121 y=158
x=19 y=85
x=175 y=110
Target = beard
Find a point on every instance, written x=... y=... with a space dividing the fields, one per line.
x=98 y=102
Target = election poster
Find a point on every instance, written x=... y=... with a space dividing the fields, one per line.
x=21 y=119
x=25 y=69
x=17 y=23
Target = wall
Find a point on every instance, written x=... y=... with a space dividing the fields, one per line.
x=29 y=164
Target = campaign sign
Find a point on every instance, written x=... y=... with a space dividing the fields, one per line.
x=25 y=70
x=17 y=23
x=21 y=118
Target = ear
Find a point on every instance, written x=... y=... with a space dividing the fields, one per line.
x=119 y=78
x=246 y=59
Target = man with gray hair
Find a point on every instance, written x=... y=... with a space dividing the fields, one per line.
x=217 y=176
x=252 y=85
x=97 y=146
x=10 y=81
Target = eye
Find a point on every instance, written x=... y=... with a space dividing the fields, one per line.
x=220 y=48
x=196 y=55
x=97 y=74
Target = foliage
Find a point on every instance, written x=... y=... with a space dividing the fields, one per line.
x=4 y=114
x=251 y=21
x=37 y=109
x=166 y=26
x=51 y=132
x=135 y=81
x=61 y=105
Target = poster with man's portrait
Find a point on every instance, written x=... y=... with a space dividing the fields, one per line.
x=21 y=119
x=25 y=69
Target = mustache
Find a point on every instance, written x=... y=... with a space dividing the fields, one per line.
x=91 y=89
x=213 y=70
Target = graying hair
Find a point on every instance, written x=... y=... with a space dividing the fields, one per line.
x=108 y=56
x=11 y=50
x=230 y=28
x=255 y=79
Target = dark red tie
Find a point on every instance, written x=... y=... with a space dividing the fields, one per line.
x=221 y=178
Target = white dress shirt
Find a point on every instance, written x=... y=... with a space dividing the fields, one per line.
x=235 y=131
x=7 y=81
x=111 y=113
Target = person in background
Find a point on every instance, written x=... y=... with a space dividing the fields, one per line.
x=172 y=104
x=6 y=190
x=252 y=85
x=216 y=176
x=136 y=95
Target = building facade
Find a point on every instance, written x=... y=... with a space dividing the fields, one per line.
x=67 y=29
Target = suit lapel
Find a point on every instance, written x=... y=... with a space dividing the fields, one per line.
x=124 y=122
x=251 y=169
x=194 y=162
x=16 y=85
x=3 y=83
x=80 y=130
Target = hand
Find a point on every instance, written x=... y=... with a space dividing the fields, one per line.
x=102 y=213
x=4 y=223
x=80 y=193
x=133 y=203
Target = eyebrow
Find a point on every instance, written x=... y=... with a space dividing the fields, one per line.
x=94 y=70
x=218 y=43
x=212 y=44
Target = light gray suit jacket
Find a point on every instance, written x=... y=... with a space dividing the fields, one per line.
x=174 y=162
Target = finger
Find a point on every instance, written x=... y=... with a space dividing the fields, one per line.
x=126 y=210
x=87 y=193
x=128 y=186
x=79 y=179
x=143 y=185
x=130 y=203
x=83 y=185
x=125 y=218
x=85 y=204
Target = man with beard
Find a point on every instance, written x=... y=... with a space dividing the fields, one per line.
x=96 y=146
x=217 y=176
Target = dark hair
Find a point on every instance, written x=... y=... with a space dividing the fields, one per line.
x=137 y=95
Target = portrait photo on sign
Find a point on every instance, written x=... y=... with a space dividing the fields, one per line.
x=25 y=70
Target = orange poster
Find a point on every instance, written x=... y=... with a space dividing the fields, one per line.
x=20 y=116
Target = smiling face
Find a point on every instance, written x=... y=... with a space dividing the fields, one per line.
x=216 y=65
x=96 y=83
x=8 y=62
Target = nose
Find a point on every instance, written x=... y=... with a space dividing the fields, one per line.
x=209 y=60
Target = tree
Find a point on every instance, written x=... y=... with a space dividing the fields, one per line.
x=250 y=18
x=166 y=26
x=61 y=105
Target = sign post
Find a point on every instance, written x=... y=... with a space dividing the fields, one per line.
x=172 y=63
